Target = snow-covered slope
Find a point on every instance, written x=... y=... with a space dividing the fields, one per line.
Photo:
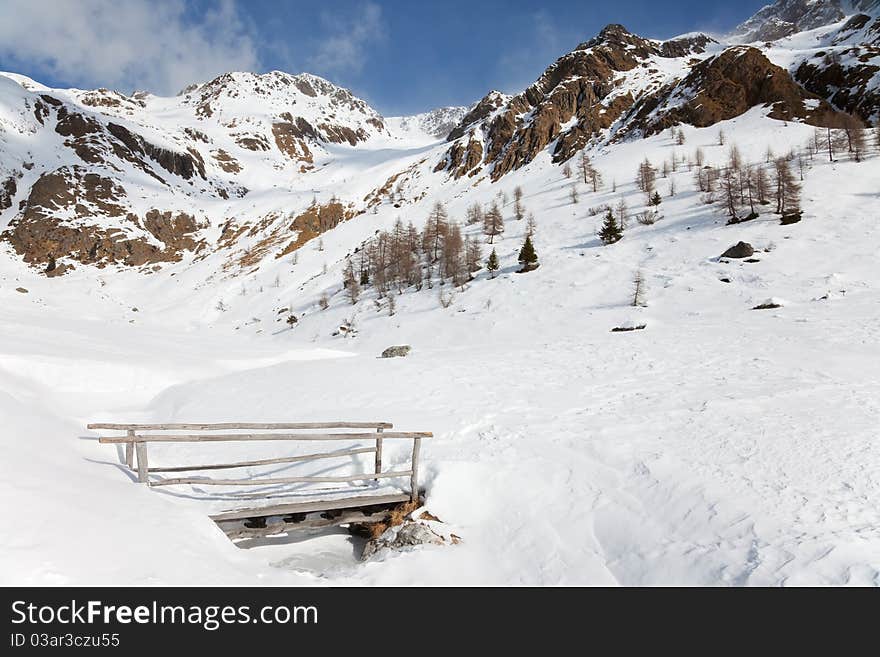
x=718 y=445
x=428 y=126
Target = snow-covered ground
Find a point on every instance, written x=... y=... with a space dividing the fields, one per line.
x=718 y=446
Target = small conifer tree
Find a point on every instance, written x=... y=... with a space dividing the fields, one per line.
x=527 y=256
x=655 y=199
x=610 y=232
x=492 y=263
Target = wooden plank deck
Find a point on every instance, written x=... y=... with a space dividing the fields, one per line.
x=310 y=506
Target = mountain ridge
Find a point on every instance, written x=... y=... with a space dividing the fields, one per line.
x=236 y=164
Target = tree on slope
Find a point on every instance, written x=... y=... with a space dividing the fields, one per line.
x=730 y=196
x=610 y=232
x=762 y=185
x=638 y=298
x=435 y=229
x=452 y=255
x=472 y=253
x=646 y=177
x=493 y=222
x=788 y=191
x=590 y=174
x=527 y=256
x=855 y=137
x=350 y=282
x=621 y=211
x=492 y=264
x=519 y=210
x=474 y=214
x=531 y=225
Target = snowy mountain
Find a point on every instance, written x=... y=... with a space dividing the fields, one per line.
x=621 y=85
x=787 y=17
x=433 y=125
x=245 y=250
x=96 y=178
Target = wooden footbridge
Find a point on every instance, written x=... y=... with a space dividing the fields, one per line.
x=273 y=515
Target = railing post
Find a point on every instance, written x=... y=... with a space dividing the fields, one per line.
x=379 y=452
x=414 y=478
x=142 y=461
x=129 y=451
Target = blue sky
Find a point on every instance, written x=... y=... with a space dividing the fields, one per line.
x=401 y=56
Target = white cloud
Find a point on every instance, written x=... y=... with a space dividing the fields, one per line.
x=343 y=47
x=125 y=44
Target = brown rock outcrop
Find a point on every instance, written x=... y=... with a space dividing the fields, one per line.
x=7 y=192
x=726 y=86
x=579 y=86
x=54 y=224
x=185 y=165
x=843 y=78
x=289 y=140
x=314 y=221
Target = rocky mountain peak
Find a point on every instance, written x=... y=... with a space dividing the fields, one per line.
x=786 y=17
x=276 y=91
x=614 y=35
x=479 y=111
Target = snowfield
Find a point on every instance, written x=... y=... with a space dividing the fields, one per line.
x=719 y=446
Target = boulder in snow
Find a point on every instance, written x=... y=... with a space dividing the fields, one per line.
x=400 y=350
x=739 y=250
x=630 y=325
x=769 y=304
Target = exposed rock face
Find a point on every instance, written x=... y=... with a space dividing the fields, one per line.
x=55 y=224
x=571 y=102
x=226 y=162
x=83 y=202
x=279 y=89
x=340 y=133
x=174 y=230
x=95 y=143
x=844 y=77
x=786 y=17
x=463 y=159
x=73 y=192
x=689 y=45
x=314 y=221
x=290 y=139
x=7 y=192
x=184 y=165
x=110 y=99
x=84 y=135
x=488 y=104
x=725 y=86
x=842 y=74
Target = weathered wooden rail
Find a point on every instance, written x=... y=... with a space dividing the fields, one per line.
x=277 y=517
